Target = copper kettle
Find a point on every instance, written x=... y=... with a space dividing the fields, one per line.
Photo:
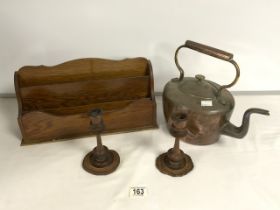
x=207 y=105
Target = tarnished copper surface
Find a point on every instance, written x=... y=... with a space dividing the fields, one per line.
x=207 y=105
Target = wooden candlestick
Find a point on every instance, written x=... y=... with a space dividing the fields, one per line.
x=101 y=160
x=175 y=162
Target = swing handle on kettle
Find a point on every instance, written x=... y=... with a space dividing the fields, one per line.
x=211 y=51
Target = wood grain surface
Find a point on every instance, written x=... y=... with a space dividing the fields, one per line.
x=54 y=102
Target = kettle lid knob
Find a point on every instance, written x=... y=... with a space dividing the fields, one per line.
x=200 y=77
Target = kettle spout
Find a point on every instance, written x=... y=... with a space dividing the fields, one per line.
x=239 y=132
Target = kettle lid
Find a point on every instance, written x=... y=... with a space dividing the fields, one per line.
x=198 y=87
x=198 y=94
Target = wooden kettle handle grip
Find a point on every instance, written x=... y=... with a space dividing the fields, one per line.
x=214 y=52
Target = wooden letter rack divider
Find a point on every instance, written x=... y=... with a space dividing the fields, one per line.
x=55 y=102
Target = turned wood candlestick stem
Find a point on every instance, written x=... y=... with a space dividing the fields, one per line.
x=99 y=142
x=176 y=147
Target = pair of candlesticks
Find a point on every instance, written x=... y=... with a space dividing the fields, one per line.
x=102 y=161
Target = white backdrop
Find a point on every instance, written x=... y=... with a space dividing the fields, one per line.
x=48 y=32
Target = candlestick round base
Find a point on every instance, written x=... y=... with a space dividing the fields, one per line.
x=165 y=165
x=101 y=169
